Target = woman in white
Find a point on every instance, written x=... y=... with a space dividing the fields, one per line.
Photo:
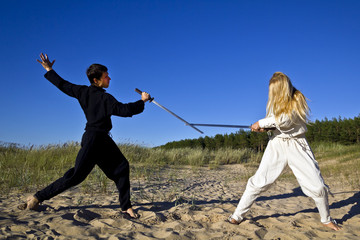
x=287 y=111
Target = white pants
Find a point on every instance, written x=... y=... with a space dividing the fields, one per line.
x=279 y=153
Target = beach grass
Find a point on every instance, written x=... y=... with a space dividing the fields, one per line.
x=340 y=161
x=29 y=168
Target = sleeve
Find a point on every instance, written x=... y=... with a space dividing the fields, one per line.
x=66 y=87
x=268 y=122
x=124 y=109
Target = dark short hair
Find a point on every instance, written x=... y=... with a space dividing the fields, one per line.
x=95 y=71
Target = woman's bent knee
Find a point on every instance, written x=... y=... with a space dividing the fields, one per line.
x=317 y=192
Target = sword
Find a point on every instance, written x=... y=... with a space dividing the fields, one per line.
x=220 y=125
x=226 y=126
x=153 y=101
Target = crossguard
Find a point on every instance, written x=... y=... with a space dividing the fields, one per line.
x=140 y=92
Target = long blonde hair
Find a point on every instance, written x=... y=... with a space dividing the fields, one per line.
x=284 y=98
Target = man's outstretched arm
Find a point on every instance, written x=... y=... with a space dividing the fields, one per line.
x=68 y=88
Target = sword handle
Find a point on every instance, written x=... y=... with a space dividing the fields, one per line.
x=140 y=92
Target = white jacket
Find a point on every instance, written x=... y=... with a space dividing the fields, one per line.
x=285 y=128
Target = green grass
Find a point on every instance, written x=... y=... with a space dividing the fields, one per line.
x=26 y=168
x=30 y=168
x=339 y=161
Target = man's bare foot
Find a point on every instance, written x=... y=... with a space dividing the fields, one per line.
x=333 y=225
x=32 y=203
x=131 y=213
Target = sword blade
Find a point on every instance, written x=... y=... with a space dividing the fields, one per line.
x=220 y=125
x=227 y=126
x=161 y=106
x=188 y=124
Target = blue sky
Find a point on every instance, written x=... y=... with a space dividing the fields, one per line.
x=208 y=61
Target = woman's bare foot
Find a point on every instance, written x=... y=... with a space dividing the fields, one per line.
x=131 y=213
x=32 y=203
x=333 y=225
x=233 y=221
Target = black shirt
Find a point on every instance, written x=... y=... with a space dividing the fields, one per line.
x=97 y=105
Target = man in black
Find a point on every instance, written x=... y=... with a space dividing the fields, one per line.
x=97 y=147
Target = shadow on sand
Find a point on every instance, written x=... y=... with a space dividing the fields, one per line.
x=353 y=200
x=296 y=192
x=163 y=206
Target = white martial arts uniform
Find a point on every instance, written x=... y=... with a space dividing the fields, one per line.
x=287 y=146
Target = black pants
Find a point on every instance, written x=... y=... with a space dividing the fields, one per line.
x=96 y=148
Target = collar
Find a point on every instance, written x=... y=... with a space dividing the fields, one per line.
x=97 y=88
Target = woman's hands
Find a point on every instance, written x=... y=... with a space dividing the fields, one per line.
x=45 y=62
x=256 y=127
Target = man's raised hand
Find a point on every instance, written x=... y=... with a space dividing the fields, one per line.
x=45 y=62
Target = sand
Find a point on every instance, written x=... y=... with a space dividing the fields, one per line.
x=183 y=203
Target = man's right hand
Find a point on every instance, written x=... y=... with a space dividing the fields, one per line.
x=145 y=96
x=45 y=62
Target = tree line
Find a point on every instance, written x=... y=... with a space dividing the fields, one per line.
x=337 y=130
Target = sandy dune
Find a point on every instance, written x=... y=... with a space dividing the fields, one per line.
x=183 y=203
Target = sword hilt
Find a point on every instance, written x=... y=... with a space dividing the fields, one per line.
x=140 y=92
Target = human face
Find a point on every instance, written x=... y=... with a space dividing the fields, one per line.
x=104 y=81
